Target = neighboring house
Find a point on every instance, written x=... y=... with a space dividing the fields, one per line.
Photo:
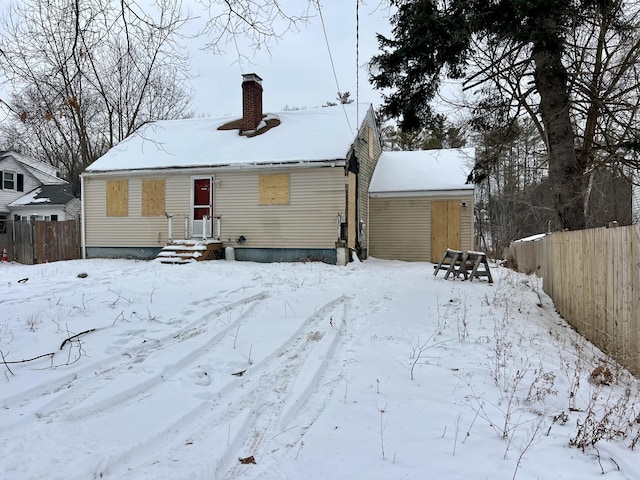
x=276 y=187
x=19 y=175
x=47 y=202
x=420 y=204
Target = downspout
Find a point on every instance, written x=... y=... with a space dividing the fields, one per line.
x=368 y=231
x=83 y=222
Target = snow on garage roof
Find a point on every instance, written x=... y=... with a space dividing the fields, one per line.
x=423 y=170
x=303 y=136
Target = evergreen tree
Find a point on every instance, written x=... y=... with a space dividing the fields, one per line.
x=433 y=38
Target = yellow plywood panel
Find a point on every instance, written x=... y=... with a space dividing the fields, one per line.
x=152 y=197
x=117 y=198
x=273 y=189
x=445 y=227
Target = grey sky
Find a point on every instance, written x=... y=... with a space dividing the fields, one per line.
x=297 y=71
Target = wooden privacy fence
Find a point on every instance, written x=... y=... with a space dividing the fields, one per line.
x=593 y=277
x=41 y=242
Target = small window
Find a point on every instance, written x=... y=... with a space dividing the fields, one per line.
x=54 y=218
x=371 y=140
x=9 y=183
x=20 y=186
x=3 y=224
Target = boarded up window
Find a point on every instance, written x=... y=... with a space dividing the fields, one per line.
x=152 y=197
x=273 y=189
x=371 y=140
x=117 y=194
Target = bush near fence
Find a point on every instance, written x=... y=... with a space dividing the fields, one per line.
x=593 y=277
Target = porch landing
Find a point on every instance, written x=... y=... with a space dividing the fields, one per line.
x=188 y=251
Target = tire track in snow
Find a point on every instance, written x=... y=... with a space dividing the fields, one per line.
x=296 y=381
x=276 y=371
x=79 y=385
x=99 y=408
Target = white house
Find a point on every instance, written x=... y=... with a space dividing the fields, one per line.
x=20 y=175
x=281 y=186
x=47 y=202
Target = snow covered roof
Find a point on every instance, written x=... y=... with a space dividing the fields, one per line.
x=46 y=195
x=317 y=134
x=45 y=173
x=423 y=170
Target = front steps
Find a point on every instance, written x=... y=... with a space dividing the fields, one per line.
x=188 y=251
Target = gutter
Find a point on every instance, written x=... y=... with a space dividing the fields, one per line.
x=423 y=193
x=221 y=168
x=82 y=219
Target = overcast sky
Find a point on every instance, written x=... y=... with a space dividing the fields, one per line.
x=297 y=71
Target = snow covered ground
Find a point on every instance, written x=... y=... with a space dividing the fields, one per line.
x=377 y=370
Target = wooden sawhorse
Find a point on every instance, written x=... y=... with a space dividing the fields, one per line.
x=473 y=261
x=467 y=264
x=454 y=265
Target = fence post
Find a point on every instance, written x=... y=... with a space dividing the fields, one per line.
x=34 y=254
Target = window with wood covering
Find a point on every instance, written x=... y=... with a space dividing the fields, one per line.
x=152 y=197
x=273 y=189
x=117 y=198
x=371 y=140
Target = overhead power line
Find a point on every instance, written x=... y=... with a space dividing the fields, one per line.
x=333 y=67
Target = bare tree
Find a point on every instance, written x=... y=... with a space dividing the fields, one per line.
x=86 y=74
x=259 y=21
x=603 y=78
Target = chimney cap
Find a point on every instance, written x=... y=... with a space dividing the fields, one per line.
x=249 y=77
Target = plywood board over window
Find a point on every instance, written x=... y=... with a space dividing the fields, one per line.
x=152 y=197
x=273 y=189
x=117 y=198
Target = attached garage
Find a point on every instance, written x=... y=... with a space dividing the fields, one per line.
x=420 y=204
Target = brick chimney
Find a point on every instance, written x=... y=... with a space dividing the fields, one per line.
x=251 y=102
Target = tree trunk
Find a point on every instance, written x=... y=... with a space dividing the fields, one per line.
x=564 y=170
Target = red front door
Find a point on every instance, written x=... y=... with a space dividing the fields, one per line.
x=202 y=206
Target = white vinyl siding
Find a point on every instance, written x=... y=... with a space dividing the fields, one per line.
x=134 y=230
x=401 y=227
x=316 y=196
x=308 y=221
x=30 y=183
x=368 y=151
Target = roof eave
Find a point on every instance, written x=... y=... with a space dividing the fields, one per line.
x=339 y=162
x=457 y=192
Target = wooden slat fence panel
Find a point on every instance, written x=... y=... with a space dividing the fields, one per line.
x=23 y=243
x=56 y=241
x=40 y=242
x=593 y=277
